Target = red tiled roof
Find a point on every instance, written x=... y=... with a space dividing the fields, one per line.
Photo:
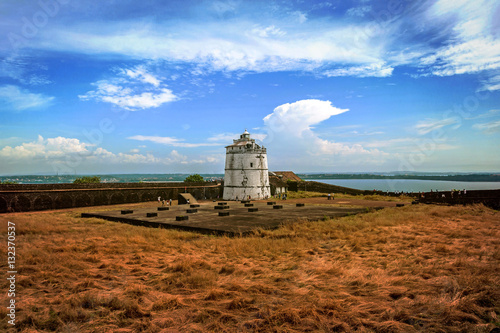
x=288 y=175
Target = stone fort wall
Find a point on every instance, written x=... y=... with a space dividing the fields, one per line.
x=32 y=197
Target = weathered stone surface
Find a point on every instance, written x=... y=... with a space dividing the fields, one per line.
x=29 y=197
x=246 y=171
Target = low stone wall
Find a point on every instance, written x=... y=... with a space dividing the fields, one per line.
x=490 y=198
x=313 y=186
x=28 y=197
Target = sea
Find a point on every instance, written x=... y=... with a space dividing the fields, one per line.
x=409 y=185
x=113 y=178
x=391 y=185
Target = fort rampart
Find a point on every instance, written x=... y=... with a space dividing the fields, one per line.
x=31 y=197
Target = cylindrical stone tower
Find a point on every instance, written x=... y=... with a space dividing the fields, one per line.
x=246 y=173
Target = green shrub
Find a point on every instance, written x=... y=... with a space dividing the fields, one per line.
x=196 y=178
x=87 y=180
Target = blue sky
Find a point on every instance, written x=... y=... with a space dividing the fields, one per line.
x=326 y=86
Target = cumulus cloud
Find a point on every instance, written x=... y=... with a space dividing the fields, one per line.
x=15 y=99
x=45 y=148
x=133 y=89
x=65 y=155
x=290 y=132
x=298 y=117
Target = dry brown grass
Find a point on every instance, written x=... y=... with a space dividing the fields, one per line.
x=416 y=268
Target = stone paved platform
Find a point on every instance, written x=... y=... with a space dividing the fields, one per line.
x=241 y=220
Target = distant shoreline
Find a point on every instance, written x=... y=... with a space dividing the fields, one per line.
x=460 y=178
x=171 y=177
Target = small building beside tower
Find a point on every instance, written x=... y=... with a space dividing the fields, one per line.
x=246 y=172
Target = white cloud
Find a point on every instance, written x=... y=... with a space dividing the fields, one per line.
x=46 y=149
x=429 y=125
x=488 y=128
x=165 y=140
x=298 y=117
x=269 y=31
x=66 y=155
x=140 y=73
x=474 y=47
x=23 y=70
x=359 y=11
x=13 y=98
x=224 y=137
x=372 y=70
x=491 y=84
x=290 y=133
x=133 y=89
x=231 y=45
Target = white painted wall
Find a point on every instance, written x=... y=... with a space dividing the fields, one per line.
x=246 y=173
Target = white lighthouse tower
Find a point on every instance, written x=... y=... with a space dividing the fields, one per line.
x=246 y=173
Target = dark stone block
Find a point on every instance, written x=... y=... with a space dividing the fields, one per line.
x=221 y=207
x=127 y=211
x=151 y=214
x=182 y=218
x=223 y=213
x=194 y=206
x=192 y=211
x=248 y=205
x=300 y=205
x=163 y=208
x=399 y=205
x=222 y=203
x=271 y=203
x=278 y=207
x=415 y=202
x=253 y=209
x=245 y=201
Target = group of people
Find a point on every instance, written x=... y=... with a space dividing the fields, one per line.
x=163 y=202
x=280 y=196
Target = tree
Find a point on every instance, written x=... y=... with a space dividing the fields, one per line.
x=196 y=178
x=8 y=182
x=87 y=180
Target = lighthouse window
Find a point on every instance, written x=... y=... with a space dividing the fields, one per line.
x=251 y=165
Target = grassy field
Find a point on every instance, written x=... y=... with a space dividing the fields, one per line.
x=416 y=268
